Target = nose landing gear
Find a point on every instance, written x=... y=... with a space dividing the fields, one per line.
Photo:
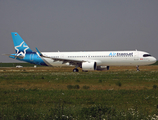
x=137 y=68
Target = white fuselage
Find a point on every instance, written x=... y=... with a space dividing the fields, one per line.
x=93 y=60
x=103 y=58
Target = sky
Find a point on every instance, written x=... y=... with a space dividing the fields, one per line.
x=79 y=25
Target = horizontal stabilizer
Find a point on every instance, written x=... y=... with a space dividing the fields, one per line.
x=13 y=55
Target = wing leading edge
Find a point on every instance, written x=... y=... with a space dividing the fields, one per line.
x=63 y=60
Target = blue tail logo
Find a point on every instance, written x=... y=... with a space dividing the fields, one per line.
x=21 y=48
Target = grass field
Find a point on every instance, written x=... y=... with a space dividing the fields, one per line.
x=58 y=93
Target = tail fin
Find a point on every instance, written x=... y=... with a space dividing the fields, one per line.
x=20 y=46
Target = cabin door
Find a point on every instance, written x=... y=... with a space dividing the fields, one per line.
x=136 y=56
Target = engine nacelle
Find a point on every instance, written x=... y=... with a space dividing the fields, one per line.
x=102 y=68
x=89 y=66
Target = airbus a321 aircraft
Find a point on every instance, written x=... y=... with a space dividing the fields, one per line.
x=88 y=61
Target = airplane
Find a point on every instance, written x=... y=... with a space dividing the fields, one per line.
x=88 y=61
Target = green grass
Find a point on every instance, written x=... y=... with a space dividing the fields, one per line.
x=45 y=95
x=48 y=80
x=15 y=64
x=22 y=102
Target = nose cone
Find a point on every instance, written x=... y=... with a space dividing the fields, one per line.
x=153 y=60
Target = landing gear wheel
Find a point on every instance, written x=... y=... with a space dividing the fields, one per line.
x=75 y=70
x=137 y=68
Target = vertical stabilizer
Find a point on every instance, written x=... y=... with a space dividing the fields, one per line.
x=21 y=48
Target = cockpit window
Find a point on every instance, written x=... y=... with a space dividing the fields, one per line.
x=146 y=55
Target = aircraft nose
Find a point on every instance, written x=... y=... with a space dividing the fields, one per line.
x=153 y=59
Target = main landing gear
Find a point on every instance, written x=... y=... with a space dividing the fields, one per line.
x=75 y=70
x=137 y=68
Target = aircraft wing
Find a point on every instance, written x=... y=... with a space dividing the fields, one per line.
x=63 y=60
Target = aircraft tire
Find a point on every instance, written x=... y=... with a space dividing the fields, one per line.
x=75 y=70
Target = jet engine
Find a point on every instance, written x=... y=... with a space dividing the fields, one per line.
x=102 y=68
x=86 y=66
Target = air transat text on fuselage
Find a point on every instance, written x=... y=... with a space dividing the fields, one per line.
x=121 y=54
